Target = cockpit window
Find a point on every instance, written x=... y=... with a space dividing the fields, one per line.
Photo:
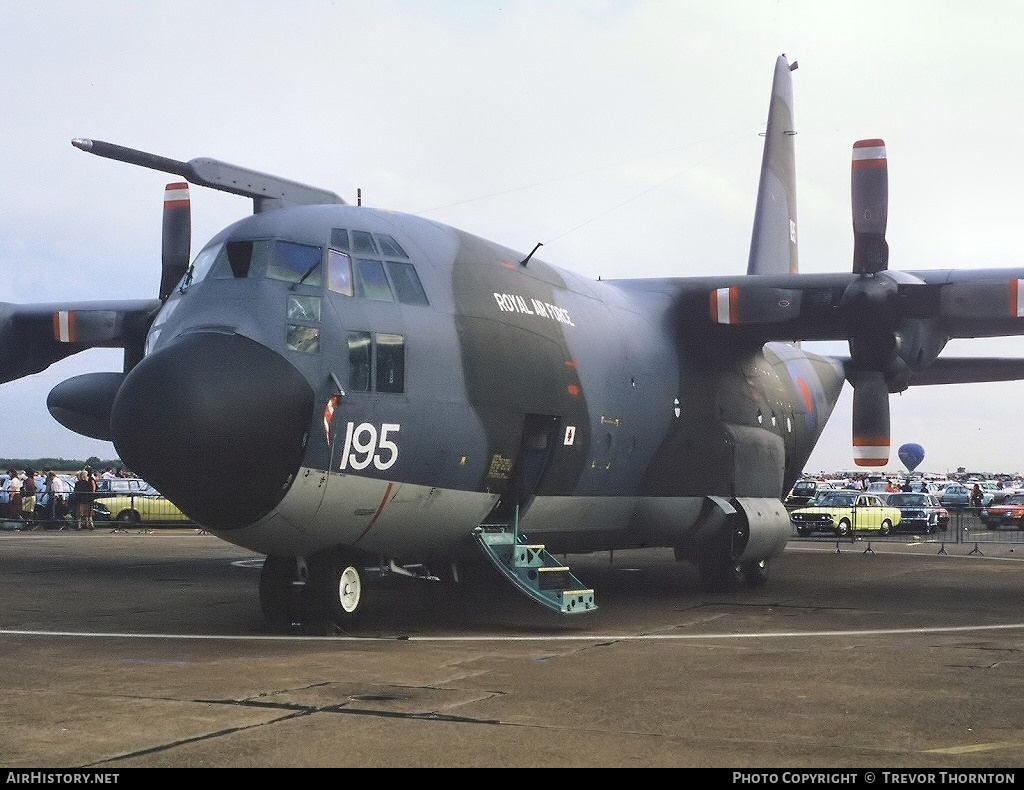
x=339 y=239
x=200 y=267
x=339 y=272
x=374 y=275
x=362 y=243
x=371 y=282
x=295 y=263
x=390 y=247
x=242 y=257
x=407 y=283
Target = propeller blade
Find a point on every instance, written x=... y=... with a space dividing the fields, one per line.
x=870 y=419
x=177 y=236
x=870 y=192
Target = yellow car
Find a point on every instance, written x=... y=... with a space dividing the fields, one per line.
x=133 y=501
x=843 y=512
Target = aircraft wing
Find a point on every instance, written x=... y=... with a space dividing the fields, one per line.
x=937 y=305
x=34 y=336
x=967 y=370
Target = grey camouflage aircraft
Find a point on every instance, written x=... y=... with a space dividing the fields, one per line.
x=378 y=393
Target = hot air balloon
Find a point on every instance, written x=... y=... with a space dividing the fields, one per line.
x=911 y=455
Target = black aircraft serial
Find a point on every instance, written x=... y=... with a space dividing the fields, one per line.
x=390 y=395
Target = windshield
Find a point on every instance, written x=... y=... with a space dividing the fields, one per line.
x=913 y=500
x=837 y=500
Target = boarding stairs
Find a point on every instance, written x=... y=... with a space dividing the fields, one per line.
x=533 y=570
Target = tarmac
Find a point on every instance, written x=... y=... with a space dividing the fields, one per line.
x=148 y=649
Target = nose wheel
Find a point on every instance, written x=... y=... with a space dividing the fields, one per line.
x=350 y=590
x=328 y=587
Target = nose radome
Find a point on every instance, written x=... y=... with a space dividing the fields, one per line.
x=217 y=423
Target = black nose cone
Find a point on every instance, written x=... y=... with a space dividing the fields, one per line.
x=216 y=422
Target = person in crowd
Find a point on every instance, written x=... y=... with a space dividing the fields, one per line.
x=29 y=494
x=108 y=473
x=12 y=491
x=56 y=499
x=85 y=487
x=976 y=496
x=907 y=485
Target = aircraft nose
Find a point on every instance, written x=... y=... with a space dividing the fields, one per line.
x=217 y=423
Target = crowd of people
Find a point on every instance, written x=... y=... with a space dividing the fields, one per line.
x=41 y=498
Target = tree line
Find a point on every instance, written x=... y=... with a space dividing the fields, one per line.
x=60 y=464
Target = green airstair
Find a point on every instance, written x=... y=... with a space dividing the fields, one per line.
x=534 y=570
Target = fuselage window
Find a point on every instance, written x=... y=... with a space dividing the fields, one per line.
x=371 y=282
x=359 y=361
x=303 y=338
x=407 y=283
x=295 y=263
x=390 y=363
x=339 y=272
x=303 y=308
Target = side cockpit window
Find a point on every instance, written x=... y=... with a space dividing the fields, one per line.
x=406 y=282
x=201 y=266
x=339 y=272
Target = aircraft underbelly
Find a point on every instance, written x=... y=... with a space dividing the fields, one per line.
x=634 y=520
x=377 y=516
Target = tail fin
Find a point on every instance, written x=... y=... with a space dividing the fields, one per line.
x=773 y=242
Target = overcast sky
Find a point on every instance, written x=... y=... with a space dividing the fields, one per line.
x=622 y=134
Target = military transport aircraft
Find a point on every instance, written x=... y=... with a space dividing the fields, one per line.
x=378 y=393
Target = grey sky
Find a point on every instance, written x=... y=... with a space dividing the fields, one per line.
x=623 y=135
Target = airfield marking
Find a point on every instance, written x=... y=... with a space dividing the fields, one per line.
x=978 y=747
x=563 y=638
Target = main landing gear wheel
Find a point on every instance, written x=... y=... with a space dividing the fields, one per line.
x=755 y=574
x=283 y=597
x=723 y=574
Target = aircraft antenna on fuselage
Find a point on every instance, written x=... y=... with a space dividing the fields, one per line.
x=773 y=243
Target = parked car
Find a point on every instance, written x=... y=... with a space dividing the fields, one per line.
x=804 y=491
x=1008 y=513
x=842 y=512
x=134 y=501
x=121 y=485
x=955 y=495
x=918 y=512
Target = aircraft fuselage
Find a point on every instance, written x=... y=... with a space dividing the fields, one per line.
x=450 y=382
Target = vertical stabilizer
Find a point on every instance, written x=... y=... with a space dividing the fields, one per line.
x=773 y=242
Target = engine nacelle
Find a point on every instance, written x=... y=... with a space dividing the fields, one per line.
x=766 y=531
x=82 y=404
x=747 y=529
